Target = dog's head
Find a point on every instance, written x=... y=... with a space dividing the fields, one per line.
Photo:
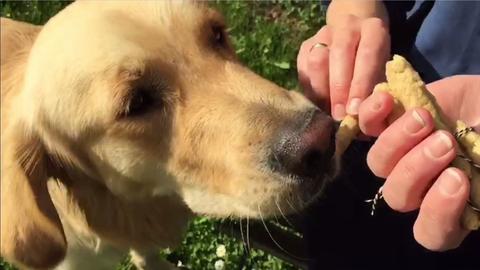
x=149 y=99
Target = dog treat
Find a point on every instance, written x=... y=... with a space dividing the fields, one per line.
x=409 y=91
x=346 y=133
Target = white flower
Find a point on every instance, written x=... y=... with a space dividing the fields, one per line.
x=221 y=251
x=219 y=265
x=179 y=264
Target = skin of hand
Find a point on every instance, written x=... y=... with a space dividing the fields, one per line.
x=415 y=160
x=340 y=76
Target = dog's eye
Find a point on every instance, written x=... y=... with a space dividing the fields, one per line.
x=140 y=103
x=218 y=35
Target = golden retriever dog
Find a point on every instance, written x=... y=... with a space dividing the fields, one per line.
x=121 y=120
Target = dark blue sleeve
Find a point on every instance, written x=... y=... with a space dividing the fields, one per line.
x=401 y=33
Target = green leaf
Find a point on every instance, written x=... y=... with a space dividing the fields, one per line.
x=282 y=65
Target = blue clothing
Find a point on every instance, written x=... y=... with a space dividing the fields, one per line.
x=440 y=38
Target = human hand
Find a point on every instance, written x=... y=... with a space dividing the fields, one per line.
x=415 y=160
x=340 y=76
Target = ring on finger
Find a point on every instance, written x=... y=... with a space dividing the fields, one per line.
x=319 y=45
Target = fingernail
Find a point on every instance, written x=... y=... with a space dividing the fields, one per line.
x=450 y=185
x=414 y=123
x=353 y=106
x=440 y=146
x=339 y=112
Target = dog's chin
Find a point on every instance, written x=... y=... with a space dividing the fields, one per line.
x=210 y=203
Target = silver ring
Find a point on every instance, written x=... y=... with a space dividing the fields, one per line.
x=319 y=45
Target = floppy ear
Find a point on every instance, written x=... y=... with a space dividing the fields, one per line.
x=31 y=231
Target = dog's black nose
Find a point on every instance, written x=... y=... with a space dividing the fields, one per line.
x=306 y=150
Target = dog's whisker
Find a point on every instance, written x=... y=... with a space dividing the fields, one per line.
x=275 y=217
x=248 y=236
x=295 y=200
x=301 y=202
x=281 y=213
x=274 y=241
x=241 y=234
x=291 y=205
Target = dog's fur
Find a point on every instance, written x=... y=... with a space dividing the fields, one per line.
x=138 y=115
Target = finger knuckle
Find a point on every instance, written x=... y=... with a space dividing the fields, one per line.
x=339 y=88
x=374 y=52
x=408 y=170
x=375 y=36
x=348 y=21
x=318 y=86
x=317 y=62
x=374 y=23
x=371 y=52
x=361 y=87
x=370 y=123
x=403 y=198
x=430 y=214
x=346 y=42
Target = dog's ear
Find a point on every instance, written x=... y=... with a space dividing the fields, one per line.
x=31 y=231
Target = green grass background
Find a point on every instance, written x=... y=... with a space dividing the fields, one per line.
x=266 y=36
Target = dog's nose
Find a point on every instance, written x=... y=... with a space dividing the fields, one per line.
x=307 y=149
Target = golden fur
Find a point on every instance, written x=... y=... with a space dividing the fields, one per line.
x=78 y=168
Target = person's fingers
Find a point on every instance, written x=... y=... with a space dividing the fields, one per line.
x=317 y=65
x=398 y=139
x=372 y=54
x=438 y=223
x=302 y=68
x=373 y=113
x=318 y=70
x=413 y=174
x=342 y=59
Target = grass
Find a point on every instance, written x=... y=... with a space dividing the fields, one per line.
x=267 y=36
